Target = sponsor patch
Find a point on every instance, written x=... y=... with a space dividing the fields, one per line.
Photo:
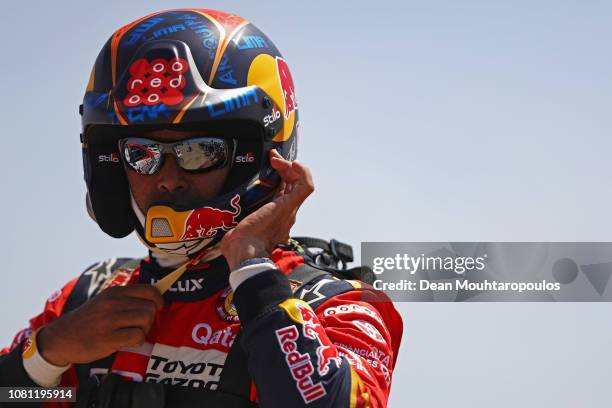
x=300 y=365
x=301 y=313
x=352 y=308
x=203 y=333
x=369 y=329
x=185 y=366
x=29 y=347
x=155 y=82
x=225 y=307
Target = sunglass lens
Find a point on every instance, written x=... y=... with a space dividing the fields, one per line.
x=141 y=156
x=201 y=153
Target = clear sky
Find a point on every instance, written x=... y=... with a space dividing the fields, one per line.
x=421 y=121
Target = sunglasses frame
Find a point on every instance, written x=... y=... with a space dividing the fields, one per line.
x=168 y=148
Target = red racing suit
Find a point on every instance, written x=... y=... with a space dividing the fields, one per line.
x=327 y=342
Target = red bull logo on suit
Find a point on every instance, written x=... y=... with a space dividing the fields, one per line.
x=301 y=313
x=300 y=365
x=313 y=330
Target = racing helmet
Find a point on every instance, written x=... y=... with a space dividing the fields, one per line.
x=187 y=69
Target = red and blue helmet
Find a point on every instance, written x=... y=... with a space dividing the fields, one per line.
x=187 y=69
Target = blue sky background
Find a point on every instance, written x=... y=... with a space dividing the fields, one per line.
x=421 y=121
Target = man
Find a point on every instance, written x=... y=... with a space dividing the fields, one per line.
x=189 y=138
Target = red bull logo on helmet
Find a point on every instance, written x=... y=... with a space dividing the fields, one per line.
x=286 y=83
x=205 y=222
x=272 y=75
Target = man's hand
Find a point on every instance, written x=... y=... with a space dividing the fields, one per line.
x=115 y=318
x=257 y=234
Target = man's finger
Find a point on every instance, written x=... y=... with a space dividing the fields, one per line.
x=293 y=172
x=142 y=291
x=304 y=185
x=289 y=171
x=284 y=168
x=281 y=189
x=140 y=318
x=132 y=303
x=296 y=179
x=129 y=337
x=304 y=172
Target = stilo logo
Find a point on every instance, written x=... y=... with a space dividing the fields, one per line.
x=271 y=118
x=247 y=158
x=108 y=158
x=155 y=82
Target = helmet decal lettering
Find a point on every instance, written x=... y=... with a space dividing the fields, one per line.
x=247 y=42
x=155 y=82
x=138 y=33
x=198 y=25
x=232 y=102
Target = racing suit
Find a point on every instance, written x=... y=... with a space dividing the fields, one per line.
x=318 y=342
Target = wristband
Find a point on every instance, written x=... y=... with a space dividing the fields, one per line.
x=249 y=268
x=40 y=370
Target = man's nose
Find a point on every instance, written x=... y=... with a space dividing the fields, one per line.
x=171 y=178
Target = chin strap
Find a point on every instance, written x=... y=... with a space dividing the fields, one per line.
x=167 y=281
x=164 y=284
